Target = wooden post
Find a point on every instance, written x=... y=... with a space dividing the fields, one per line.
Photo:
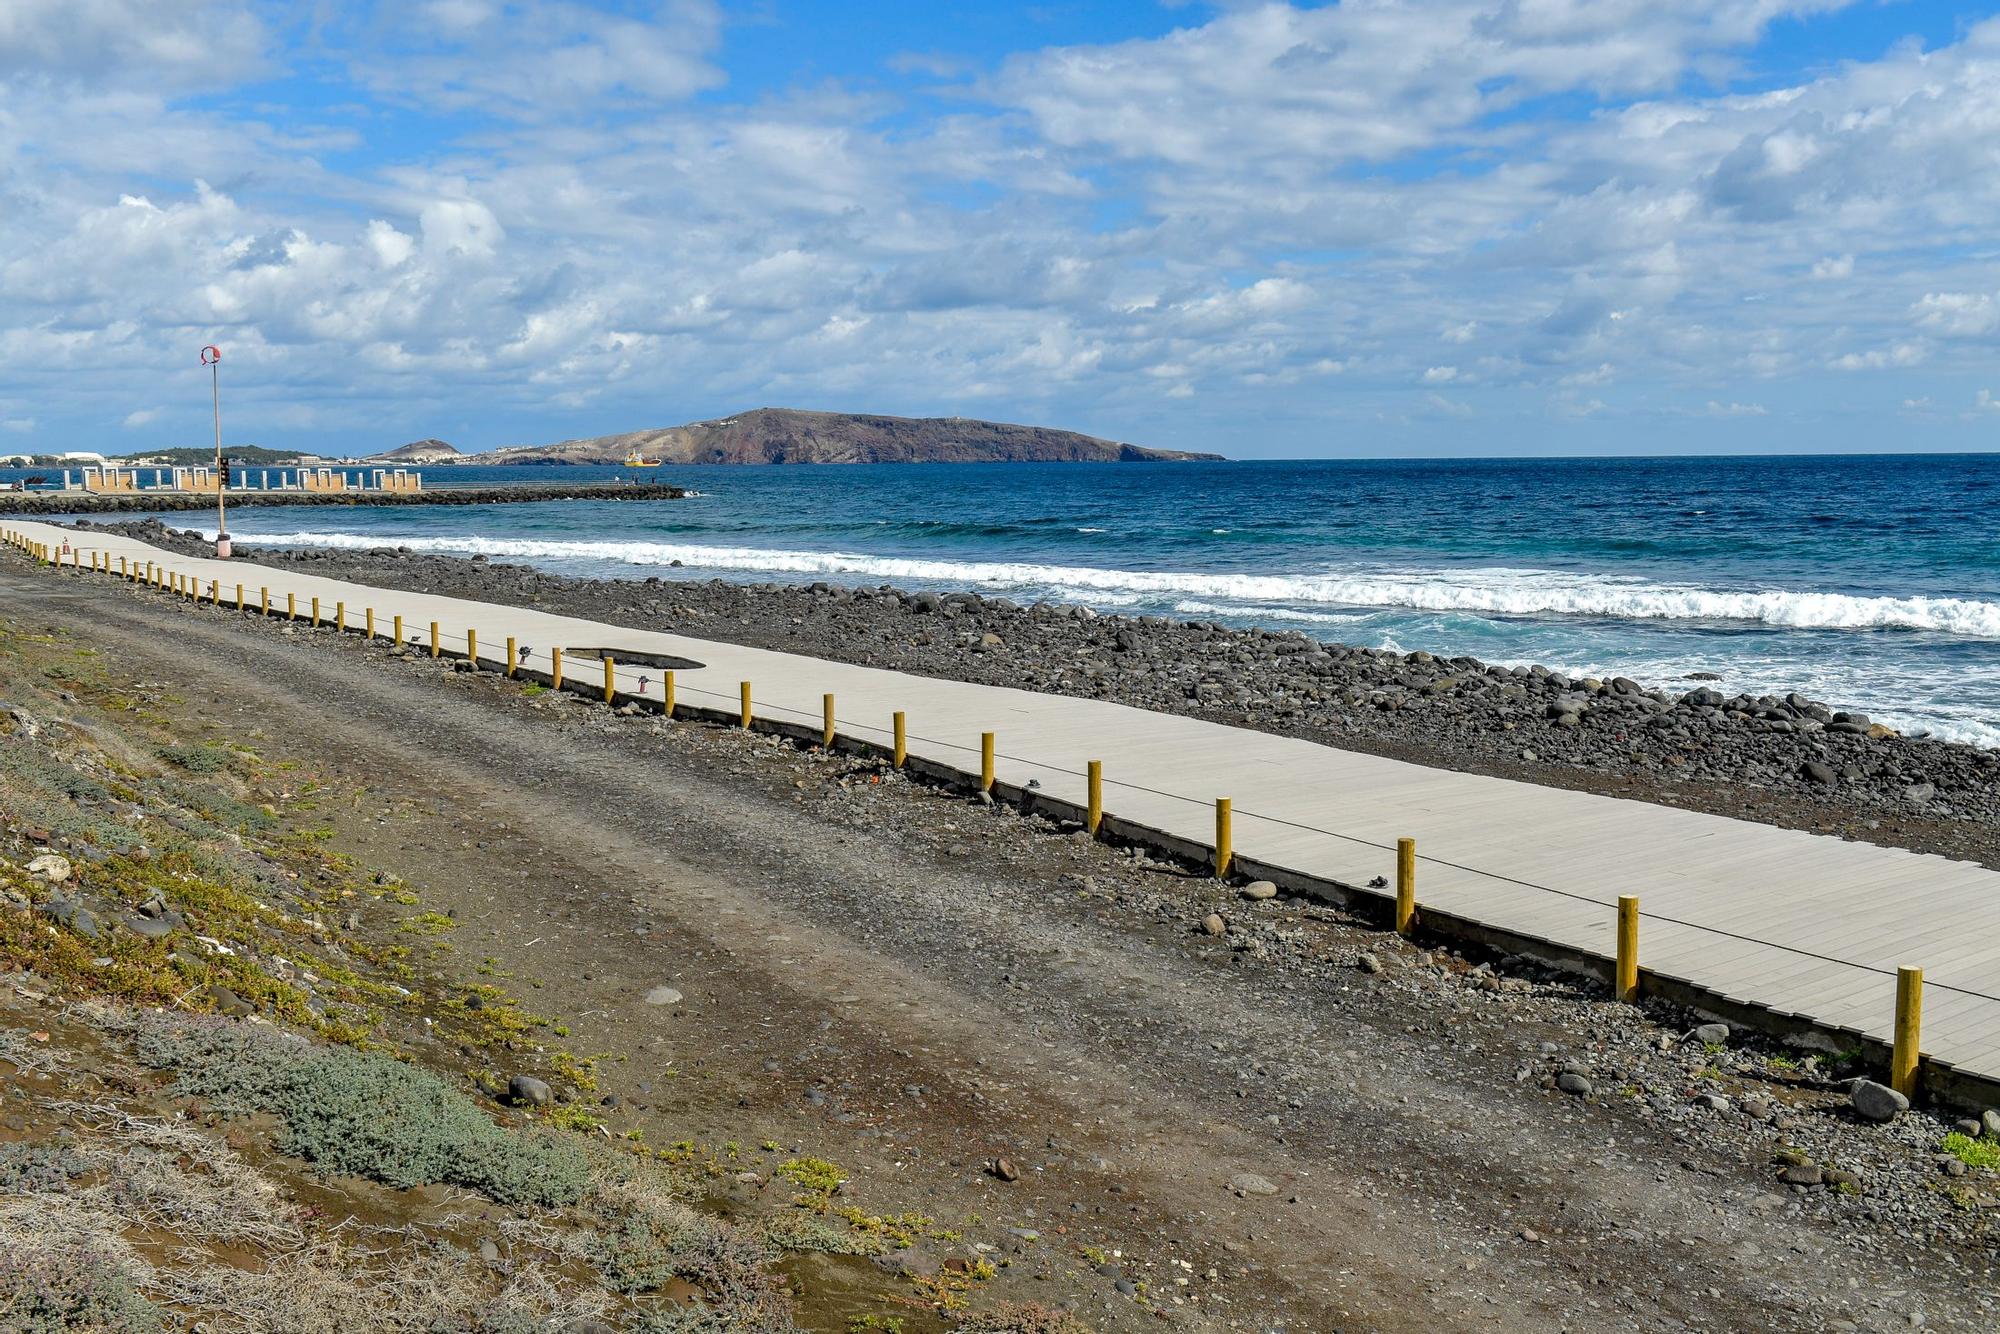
x=371 y=623
x=745 y=692
x=1627 y=987
x=555 y=669
x=901 y=728
x=472 y=647
x=667 y=694
x=215 y=592
x=610 y=679
x=239 y=597
x=1909 y=1031
x=1224 y=851
x=315 y=613
x=985 y=761
x=1406 y=885
x=826 y=722
x=1093 y=814
x=264 y=596
x=513 y=655
x=340 y=617
x=434 y=639
x=121 y=568
x=397 y=626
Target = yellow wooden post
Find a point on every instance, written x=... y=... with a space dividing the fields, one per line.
x=264 y=597
x=371 y=622
x=667 y=694
x=434 y=639
x=215 y=591
x=985 y=761
x=239 y=597
x=472 y=647
x=1406 y=885
x=315 y=613
x=826 y=722
x=397 y=626
x=902 y=731
x=610 y=679
x=745 y=692
x=1627 y=988
x=1909 y=1030
x=555 y=669
x=1093 y=814
x=121 y=568
x=513 y=655
x=340 y=617
x=1225 y=851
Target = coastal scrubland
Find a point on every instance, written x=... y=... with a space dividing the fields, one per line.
x=517 y=1012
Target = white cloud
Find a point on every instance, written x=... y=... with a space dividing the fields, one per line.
x=1720 y=409
x=1960 y=314
x=1296 y=211
x=141 y=417
x=1881 y=358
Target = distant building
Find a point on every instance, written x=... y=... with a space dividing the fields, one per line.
x=82 y=456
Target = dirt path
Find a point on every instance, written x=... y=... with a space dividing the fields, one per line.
x=912 y=985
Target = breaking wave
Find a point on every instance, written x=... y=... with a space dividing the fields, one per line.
x=1493 y=591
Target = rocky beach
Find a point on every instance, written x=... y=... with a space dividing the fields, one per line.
x=1786 y=760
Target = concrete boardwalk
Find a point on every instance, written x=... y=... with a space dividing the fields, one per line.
x=1769 y=919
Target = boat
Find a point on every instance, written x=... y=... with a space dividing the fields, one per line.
x=633 y=460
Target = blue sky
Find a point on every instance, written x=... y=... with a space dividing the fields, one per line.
x=1375 y=228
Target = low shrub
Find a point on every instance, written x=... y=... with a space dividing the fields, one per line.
x=364 y=1113
x=49 y=1289
x=38 y=1169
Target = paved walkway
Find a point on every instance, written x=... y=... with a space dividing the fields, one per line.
x=1796 y=923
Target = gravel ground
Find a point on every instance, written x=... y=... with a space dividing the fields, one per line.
x=1266 y=1113
x=1788 y=761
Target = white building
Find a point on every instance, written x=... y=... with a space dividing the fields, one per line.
x=82 y=456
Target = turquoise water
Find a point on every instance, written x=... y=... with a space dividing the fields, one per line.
x=1870 y=582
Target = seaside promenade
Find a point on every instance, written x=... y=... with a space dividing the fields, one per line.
x=1780 y=928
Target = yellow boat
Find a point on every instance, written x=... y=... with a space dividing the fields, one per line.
x=633 y=460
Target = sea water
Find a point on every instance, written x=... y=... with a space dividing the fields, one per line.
x=1872 y=583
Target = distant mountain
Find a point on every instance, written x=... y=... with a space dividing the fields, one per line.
x=788 y=435
x=418 y=451
x=197 y=455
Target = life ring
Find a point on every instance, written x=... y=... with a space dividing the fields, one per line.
x=211 y=355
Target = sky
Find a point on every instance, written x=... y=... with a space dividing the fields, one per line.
x=1453 y=227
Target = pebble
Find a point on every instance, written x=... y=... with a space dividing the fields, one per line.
x=1249 y=1183
x=1571 y=1082
x=1368 y=963
x=528 y=1091
x=663 y=996
x=1712 y=1035
x=1258 y=890
x=50 y=866
x=1213 y=924
x=1801 y=1174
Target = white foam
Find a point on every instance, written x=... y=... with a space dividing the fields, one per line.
x=1492 y=591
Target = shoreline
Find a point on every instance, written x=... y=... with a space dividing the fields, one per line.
x=31 y=504
x=1787 y=760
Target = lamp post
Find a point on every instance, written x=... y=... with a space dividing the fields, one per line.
x=211 y=357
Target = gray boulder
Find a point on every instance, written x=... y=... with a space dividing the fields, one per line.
x=1877 y=1102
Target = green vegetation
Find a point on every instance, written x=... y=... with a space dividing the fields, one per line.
x=1981 y=1152
x=51 y=1288
x=360 y=1112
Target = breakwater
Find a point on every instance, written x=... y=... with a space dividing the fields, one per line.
x=77 y=502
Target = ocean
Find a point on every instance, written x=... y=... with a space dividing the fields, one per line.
x=1870 y=582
